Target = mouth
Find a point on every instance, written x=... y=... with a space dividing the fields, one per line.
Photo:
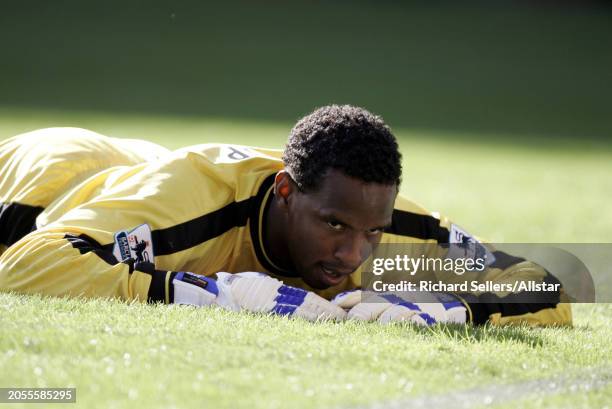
x=333 y=277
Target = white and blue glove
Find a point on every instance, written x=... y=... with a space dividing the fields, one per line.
x=386 y=308
x=194 y=289
x=258 y=292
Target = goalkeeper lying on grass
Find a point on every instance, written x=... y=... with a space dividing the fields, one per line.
x=87 y=215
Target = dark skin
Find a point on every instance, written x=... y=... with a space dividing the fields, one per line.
x=326 y=234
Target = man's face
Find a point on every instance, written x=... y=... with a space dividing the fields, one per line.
x=334 y=229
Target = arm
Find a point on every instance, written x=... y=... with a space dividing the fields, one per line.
x=63 y=263
x=181 y=216
x=76 y=252
x=412 y=224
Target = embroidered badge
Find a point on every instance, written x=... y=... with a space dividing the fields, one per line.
x=136 y=244
x=464 y=245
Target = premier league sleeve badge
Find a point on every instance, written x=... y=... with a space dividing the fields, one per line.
x=136 y=244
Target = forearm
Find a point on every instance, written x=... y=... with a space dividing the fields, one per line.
x=541 y=308
x=64 y=264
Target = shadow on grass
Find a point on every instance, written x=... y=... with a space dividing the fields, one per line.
x=486 y=333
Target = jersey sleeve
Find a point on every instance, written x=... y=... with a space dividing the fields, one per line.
x=65 y=264
x=431 y=235
x=79 y=254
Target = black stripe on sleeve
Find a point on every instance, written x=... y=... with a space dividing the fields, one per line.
x=86 y=244
x=505 y=260
x=157 y=289
x=481 y=311
x=417 y=225
x=196 y=231
x=513 y=304
x=208 y=226
x=17 y=220
x=201 y=229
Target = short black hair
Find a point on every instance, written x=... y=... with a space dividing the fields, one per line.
x=345 y=138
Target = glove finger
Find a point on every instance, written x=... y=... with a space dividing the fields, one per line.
x=255 y=294
x=435 y=310
x=423 y=319
x=456 y=313
x=368 y=311
x=347 y=299
x=396 y=313
x=316 y=307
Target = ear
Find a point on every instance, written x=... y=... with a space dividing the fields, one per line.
x=284 y=187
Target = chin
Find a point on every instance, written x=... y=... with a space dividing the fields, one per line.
x=314 y=282
x=319 y=286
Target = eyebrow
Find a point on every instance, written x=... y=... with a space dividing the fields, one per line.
x=331 y=215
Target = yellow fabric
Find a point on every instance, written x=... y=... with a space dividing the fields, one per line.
x=561 y=314
x=164 y=192
x=38 y=166
x=97 y=186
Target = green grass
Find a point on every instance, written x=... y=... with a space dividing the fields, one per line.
x=120 y=355
x=505 y=188
x=157 y=356
x=473 y=66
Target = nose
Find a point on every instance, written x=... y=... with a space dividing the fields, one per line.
x=352 y=250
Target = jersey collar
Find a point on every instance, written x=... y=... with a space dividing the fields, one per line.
x=263 y=200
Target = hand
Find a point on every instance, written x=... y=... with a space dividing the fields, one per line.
x=194 y=289
x=259 y=292
x=385 y=308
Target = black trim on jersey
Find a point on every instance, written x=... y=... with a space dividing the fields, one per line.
x=17 y=220
x=203 y=228
x=505 y=260
x=196 y=231
x=157 y=289
x=513 y=304
x=421 y=226
x=482 y=310
x=86 y=244
x=254 y=227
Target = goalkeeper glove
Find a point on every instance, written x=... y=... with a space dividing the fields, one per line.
x=258 y=292
x=385 y=308
x=194 y=289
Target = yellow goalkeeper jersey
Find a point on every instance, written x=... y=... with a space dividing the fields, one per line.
x=87 y=215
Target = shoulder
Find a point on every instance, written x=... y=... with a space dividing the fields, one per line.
x=414 y=222
x=222 y=153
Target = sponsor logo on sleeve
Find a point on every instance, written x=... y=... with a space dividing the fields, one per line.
x=464 y=245
x=136 y=244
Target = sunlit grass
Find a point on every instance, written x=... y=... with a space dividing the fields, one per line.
x=126 y=355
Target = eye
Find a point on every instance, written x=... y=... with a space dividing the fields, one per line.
x=335 y=225
x=374 y=232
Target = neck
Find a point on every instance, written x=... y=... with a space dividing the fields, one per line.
x=275 y=236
